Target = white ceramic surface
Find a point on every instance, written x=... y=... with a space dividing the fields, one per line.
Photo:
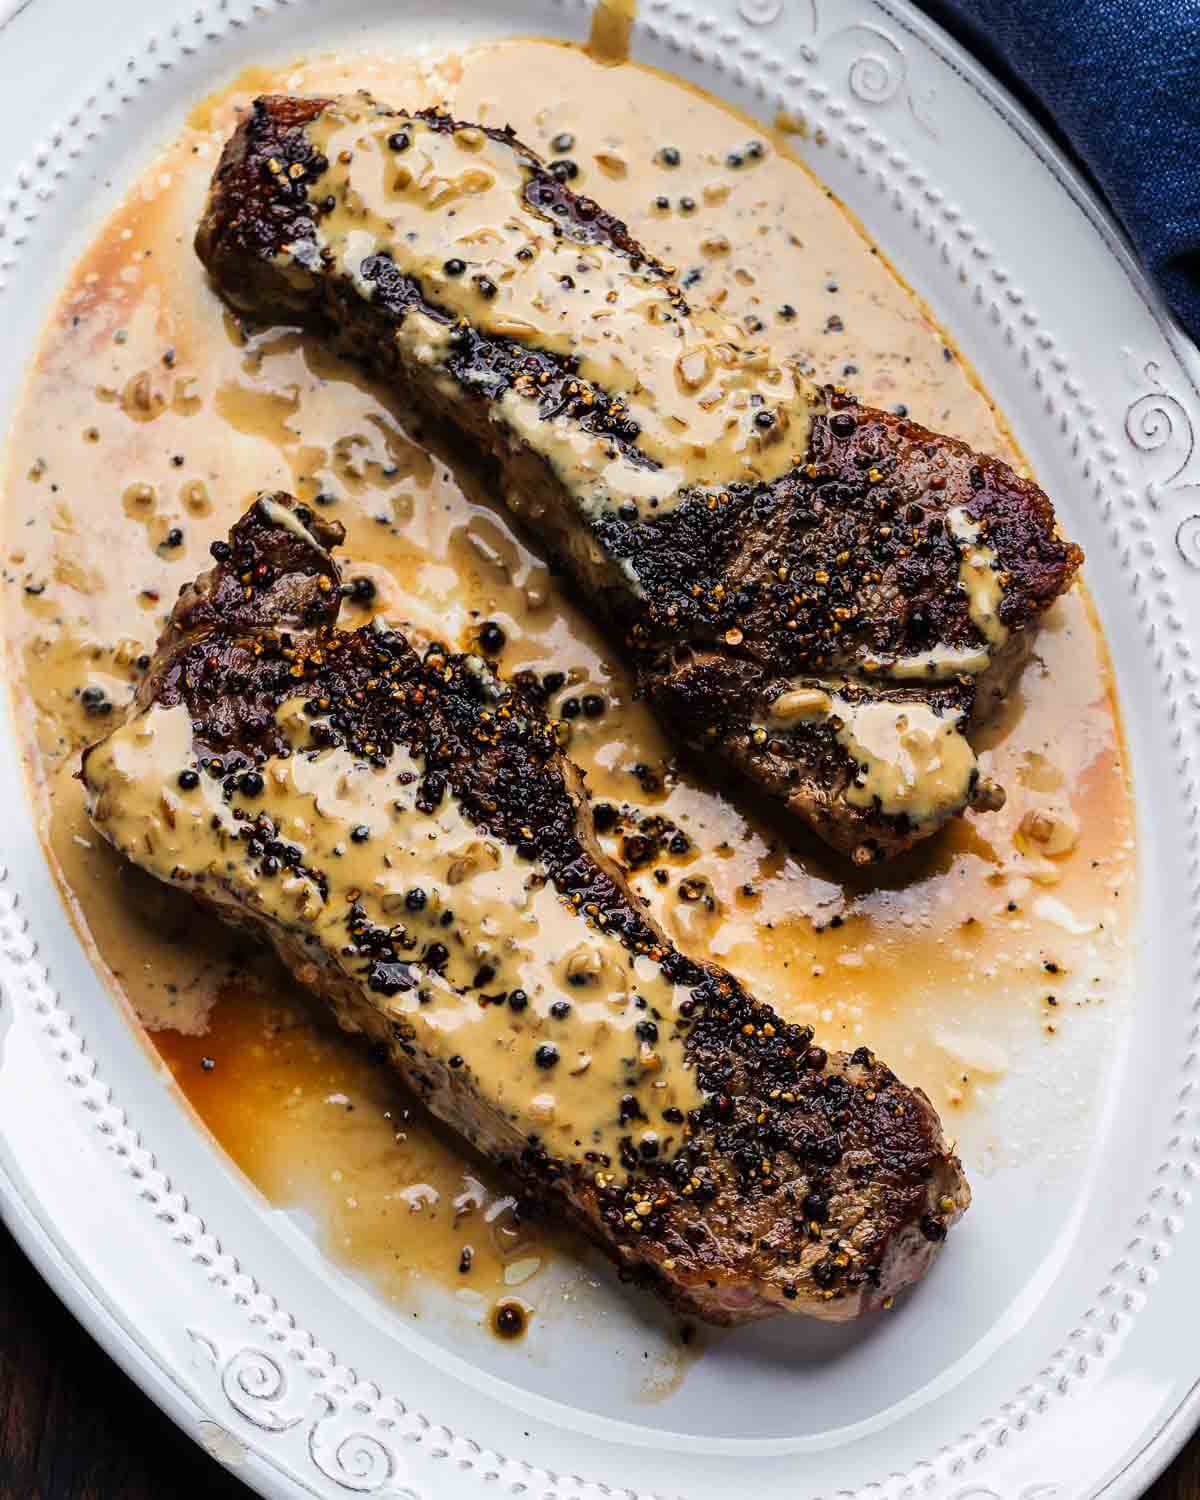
x=1054 y=1355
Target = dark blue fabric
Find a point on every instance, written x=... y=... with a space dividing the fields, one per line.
x=1119 y=82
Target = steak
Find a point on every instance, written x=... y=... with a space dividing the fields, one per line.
x=822 y=596
x=405 y=831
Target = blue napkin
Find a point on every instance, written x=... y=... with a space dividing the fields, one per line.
x=1119 y=82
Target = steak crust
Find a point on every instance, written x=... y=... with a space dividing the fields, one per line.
x=388 y=821
x=831 y=631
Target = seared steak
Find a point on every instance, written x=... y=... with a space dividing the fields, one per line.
x=406 y=832
x=824 y=596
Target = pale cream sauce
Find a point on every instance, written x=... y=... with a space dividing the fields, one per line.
x=431 y=881
x=148 y=412
x=910 y=759
x=978 y=577
x=938 y=664
x=449 y=208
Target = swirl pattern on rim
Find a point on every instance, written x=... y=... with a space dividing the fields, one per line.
x=1157 y=422
x=356 y=1435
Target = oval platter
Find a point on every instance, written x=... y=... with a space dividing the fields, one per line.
x=1052 y=1354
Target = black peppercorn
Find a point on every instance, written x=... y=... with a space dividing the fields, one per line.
x=562 y=142
x=517 y=1000
x=546 y=1055
x=509 y=1320
x=360 y=834
x=593 y=705
x=825 y=1273
x=560 y=1010
x=565 y=169
x=188 y=780
x=570 y=708
x=934 y=1229
x=668 y=156
x=454 y=267
x=430 y=793
x=491 y=637
x=252 y=784
x=400 y=140
x=95 y=702
x=415 y=900
x=361 y=590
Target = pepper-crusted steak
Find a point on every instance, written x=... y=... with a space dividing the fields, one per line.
x=410 y=838
x=825 y=596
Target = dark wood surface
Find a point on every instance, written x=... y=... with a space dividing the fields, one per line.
x=73 y=1427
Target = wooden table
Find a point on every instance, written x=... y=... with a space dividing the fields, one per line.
x=73 y=1427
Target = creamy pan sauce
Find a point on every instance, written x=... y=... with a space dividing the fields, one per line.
x=979 y=966
x=454 y=210
x=516 y=988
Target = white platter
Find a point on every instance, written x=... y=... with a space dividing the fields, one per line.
x=1055 y=1356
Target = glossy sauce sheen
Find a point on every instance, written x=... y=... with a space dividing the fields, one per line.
x=450 y=208
x=556 y=1066
x=980 y=966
